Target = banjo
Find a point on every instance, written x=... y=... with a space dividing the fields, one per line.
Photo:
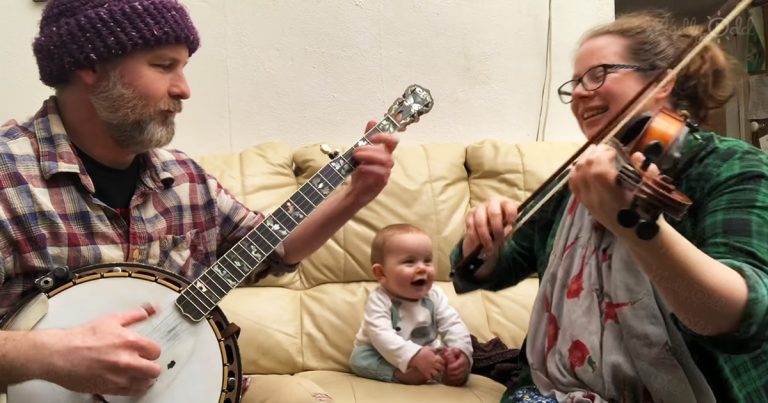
x=199 y=354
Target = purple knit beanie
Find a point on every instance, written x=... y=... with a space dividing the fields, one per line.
x=76 y=34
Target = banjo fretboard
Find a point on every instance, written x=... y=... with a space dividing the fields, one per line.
x=247 y=256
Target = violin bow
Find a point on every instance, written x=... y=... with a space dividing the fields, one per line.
x=557 y=180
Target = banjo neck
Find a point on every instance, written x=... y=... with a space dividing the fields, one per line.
x=246 y=257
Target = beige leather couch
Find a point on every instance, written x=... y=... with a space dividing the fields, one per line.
x=298 y=330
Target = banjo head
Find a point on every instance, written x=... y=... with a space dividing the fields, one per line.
x=199 y=364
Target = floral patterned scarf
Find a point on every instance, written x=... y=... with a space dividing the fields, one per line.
x=599 y=332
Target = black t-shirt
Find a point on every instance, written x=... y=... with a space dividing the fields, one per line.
x=114 y=187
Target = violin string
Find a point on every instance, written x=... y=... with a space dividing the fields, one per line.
x=558 y=179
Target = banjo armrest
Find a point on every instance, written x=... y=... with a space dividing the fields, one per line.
x=28 y=318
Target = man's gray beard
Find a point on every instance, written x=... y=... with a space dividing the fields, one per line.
x=132 y=123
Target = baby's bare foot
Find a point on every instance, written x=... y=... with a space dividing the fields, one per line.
x=458 y=380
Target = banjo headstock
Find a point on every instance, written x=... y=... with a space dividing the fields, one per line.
x=416 y=101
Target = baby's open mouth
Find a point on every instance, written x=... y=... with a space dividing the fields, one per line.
x=420 y=282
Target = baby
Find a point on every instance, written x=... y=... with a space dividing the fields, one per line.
x=409 y=334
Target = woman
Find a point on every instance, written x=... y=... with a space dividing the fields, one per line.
x=681 y=317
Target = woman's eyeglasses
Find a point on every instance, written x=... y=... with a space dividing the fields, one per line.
x=593 y=79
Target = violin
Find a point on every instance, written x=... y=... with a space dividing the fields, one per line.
x=658 y=136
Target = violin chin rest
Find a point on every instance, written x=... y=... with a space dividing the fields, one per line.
x=634 y=128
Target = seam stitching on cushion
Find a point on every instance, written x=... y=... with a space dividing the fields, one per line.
x=241 y=164
x=523 y=171
x=483 y=301
x=345 y=257
x=474 y=392
x=354 y=390
x=303 y=365
x=431 y=191
x=468 y=171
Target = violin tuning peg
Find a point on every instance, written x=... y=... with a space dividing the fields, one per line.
x=628 y=218
x=647 y=230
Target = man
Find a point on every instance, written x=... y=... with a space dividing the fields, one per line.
x=84 y=181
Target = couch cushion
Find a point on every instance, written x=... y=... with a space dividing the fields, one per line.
x=285 y=389
x=515 y=170
x=286 y=331
x=261 y=176
x=428 y=188
x=432 y=186
x=271 y=338
x=351 y=388
x=306 y=321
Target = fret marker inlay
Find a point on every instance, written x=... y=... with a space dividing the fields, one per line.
x=249 y=253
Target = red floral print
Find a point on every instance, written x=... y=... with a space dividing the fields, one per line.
x=552 y=329
x=605 y=256
x=572 y=207
x=578 y=355
x=610 y=310
x=576 y=285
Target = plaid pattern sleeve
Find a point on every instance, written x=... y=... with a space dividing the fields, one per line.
x=729 y=222
x=180 y=218
x=728 y=183
x=727 y=180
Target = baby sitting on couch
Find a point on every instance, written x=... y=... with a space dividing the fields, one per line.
x=409 y=333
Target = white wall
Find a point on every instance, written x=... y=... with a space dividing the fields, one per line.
x=307 y=71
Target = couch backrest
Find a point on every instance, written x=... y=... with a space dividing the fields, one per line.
x=307 y=320
x=432 y=186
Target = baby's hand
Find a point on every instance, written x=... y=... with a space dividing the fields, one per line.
x=456 y=367
x=428 y=362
